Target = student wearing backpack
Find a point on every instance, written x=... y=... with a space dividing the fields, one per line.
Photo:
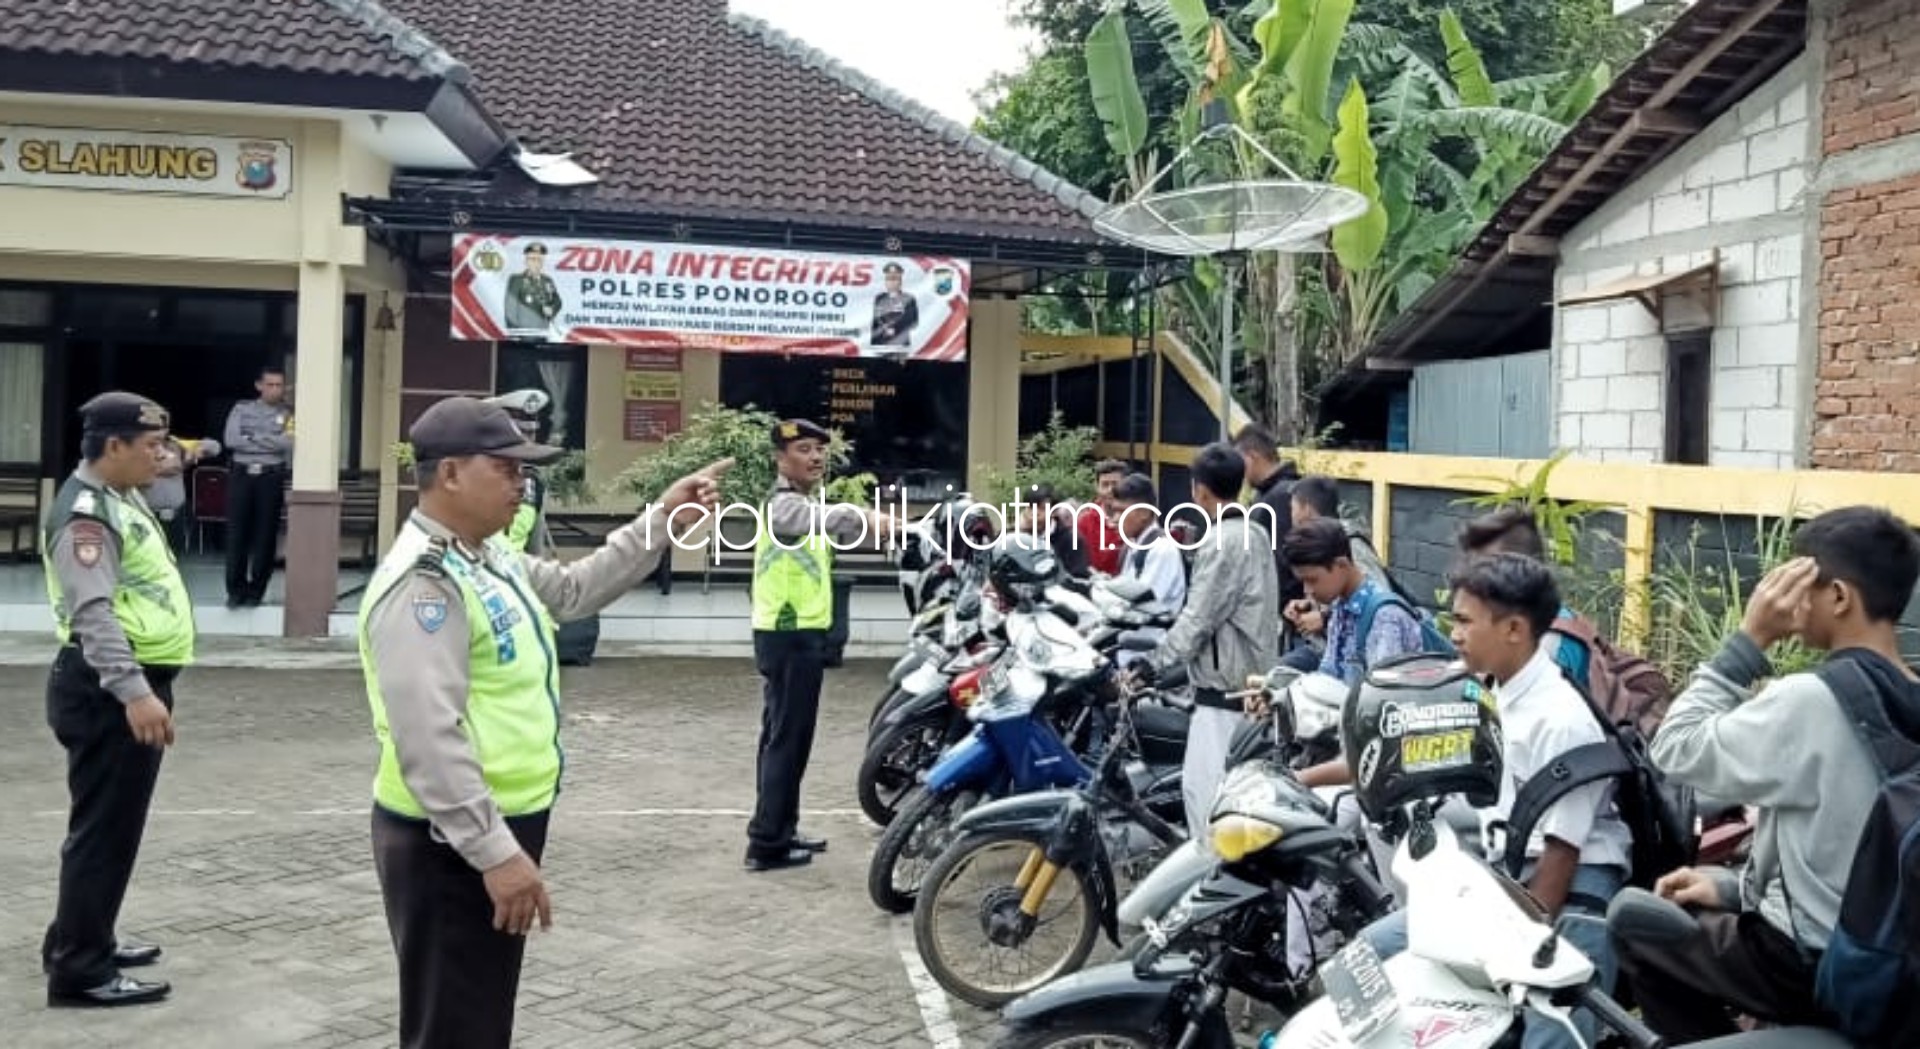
x=1578 y=854
x=1365 y=622
x=1626 y=687
x=1793 y=750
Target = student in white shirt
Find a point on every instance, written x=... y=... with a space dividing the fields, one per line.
x=1579 y=854
x=1151 y=555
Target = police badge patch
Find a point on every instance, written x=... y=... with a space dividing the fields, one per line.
x=430 y=611
x=89 y=540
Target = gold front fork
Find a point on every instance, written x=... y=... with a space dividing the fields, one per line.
x=1035 y=880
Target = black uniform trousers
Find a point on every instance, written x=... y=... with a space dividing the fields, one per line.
x=1689 y=987
x=792 y=664
x=110 y=779
x=458 y=975
x=253 y=529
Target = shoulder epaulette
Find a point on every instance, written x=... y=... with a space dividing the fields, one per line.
x=433 y=560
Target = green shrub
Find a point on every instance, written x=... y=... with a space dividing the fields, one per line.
x=1060 y=455
x=716 y=432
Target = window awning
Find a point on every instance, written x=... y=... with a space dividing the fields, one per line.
x=1698 y=288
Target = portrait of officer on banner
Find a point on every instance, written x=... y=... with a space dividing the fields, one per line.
x=895 y=313
x=533 y=299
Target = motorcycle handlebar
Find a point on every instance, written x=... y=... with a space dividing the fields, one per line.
x=1373 y=896
x=1612 y=1015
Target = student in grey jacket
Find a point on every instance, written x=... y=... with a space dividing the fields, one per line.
x=1229 y=627
x=1791 y=751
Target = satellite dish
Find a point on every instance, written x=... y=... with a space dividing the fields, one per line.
x=1226 y=220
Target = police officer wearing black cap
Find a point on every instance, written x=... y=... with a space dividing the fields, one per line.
x=126 y=630
x=895 y=313
x=792 y=612
x=533 y=299
x=457 y=645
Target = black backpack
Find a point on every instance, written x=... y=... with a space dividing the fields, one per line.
x=1659 y=812
x=1869 y=976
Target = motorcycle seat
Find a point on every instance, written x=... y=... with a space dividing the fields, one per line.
x=1162 y=732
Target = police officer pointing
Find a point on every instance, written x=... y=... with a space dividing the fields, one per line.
x=457 y=645
x=792 y=610
x=125 y=626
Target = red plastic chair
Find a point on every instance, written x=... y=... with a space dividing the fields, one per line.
x=209 y=500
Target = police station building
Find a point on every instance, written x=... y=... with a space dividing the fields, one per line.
x=637 y=206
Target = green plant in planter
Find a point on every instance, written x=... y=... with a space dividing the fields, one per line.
x=712 y=433
x=1060 y=456
x=1560 y=521
x=856 y=490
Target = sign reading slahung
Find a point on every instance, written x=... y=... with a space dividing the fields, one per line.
x=674 y=295
x=145 y=162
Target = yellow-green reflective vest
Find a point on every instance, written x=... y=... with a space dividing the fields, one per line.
x=513 y=692
x=792 y=581
x=150 y=600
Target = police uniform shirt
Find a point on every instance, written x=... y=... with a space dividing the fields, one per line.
x=86 y=558
x=257 y=434
x=793 y=513
x=419 y=639
x=894 y=317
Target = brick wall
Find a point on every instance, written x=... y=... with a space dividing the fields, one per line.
x=1865 y=414
x=1873 y=74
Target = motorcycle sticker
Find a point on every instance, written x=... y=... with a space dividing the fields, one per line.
x=1443 y=751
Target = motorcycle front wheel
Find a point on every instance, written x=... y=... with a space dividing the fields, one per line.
x=894 y=761
x=973 y=928
x=919 y=832
x=1094 y=1034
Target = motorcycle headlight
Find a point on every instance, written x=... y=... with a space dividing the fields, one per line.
x=1236 y=837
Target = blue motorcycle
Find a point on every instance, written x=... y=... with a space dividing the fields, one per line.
x=1042 y=706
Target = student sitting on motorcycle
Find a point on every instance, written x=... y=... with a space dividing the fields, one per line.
x=1792 y=751
x=1321 y=557
x=1228 y=629
x=1512 y=529
x=1579 y=853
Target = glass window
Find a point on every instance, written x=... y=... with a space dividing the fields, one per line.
x=116 y=308
x=558 y=371
x=25 y=307
x=22 y=374
x=220 y=315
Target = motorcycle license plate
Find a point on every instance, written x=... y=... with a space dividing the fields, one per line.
x=1362 y=995
x=996 y=682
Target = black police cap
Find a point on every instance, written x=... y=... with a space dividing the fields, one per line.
x=791 y=430
x=117 y=412
x=462 y=426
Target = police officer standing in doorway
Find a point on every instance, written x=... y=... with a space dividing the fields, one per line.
x=125 y=626
x=528 y=533
x=260 y=438
x=456 y=634
x=792 y=611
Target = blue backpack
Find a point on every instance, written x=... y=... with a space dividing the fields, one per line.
x=1431 y=639
x=1869 y=975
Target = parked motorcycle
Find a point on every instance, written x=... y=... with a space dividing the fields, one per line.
x=914 y=732
x=1023 y=867
x=1041 y=706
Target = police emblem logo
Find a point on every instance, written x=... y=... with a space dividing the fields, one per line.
x=789 y=430
x=153 y=415
x=943 y=281
x=89 y=541
x=430 y=611
x=256 y=171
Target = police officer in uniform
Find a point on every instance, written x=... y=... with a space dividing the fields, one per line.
x=456 y=642
x=792 y=611
x=260 y=435
x=125 y=626
x=528 y=533
x=895 y=313
x=533 y=299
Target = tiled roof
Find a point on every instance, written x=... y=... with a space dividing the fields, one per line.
x=683 y=110
x=336 y=37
